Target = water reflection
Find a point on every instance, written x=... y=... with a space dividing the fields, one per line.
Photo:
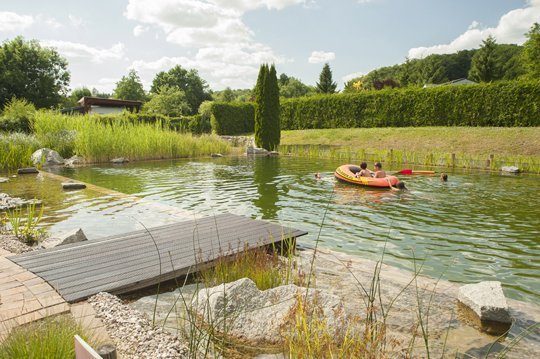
x=265 y=175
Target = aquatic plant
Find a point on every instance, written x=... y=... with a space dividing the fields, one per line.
x=97 y=141
x=25 y=225
x=16 y=150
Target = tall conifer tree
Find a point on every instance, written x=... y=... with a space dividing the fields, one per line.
x=267 y=130
x=260 y=106
x=326 y=84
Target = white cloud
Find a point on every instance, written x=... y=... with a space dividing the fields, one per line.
x=76 y=50
x=12 y=22
x=227 y=54
x=235 y=66
x=75 y=20
x=139 y=30
x=50 y=22
x=511 y=28
x=318 y=57
x=351 y=76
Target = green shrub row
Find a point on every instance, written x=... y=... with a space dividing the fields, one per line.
x=503 y=104
x=229 y=118
x=499 y=104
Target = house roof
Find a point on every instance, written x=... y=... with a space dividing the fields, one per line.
x=109 y=102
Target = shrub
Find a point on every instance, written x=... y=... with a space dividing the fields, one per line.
x=500 y=104
x=230 y=118
x=17 y=116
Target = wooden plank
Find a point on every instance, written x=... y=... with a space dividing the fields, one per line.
x=130 y=261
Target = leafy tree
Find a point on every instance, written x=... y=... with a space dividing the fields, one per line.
x=293 y=87
x=326 y=84
x=354 y=85
x=195 y=88
x=228 y=95
x=283 y=80
x=531 y=52
x=267 y=127
x=96 y=93
x=170 y=101
x=130 y=87
x=484 y=67
x=30 y=71
x=75 y=96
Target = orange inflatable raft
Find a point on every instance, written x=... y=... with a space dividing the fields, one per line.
x=347 y=173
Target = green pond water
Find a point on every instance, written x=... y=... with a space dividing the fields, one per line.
x=478 y=226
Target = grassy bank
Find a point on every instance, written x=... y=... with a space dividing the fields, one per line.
x=473 y=147
x=98 y=141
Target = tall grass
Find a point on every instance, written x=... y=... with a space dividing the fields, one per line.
x=16 y=150
x=51 y=338
x=99 y=141
x=24 y=225
x=530 y=164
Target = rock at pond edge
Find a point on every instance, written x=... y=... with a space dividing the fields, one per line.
x=73 y=185
x=119 y=160
x=47 y=157
x=27 y=170
x=487 y=300
x=74 y=236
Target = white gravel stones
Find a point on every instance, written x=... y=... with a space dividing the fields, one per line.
x=487 y=300
x=133 y=333
x=12 y=244
x=8 y=202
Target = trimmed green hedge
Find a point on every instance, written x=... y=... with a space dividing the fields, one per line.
x=503 y=104
x=230 y=118
x=499 y=104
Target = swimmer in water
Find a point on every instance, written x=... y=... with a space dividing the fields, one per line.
x=444 y=177
x=317 y=176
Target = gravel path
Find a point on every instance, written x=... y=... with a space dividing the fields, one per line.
x=133 y=333
x=11 y=244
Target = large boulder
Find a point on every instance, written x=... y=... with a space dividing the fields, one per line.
x=256 y=316
x=486 y=300
x=47 y=157
x=74 y=236
x=256 y=151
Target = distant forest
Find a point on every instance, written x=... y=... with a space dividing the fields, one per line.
x=504 y=59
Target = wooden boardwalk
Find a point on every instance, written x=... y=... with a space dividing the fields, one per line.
x=123 y=263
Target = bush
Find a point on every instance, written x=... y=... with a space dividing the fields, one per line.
x=229 y=118
x=500 y=104
x=18 y=116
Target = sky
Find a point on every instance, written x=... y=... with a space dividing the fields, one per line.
x=227 y=40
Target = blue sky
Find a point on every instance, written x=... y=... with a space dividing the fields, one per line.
x=226 y=40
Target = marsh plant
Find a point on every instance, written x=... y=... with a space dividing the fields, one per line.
x=23 y=223
x=16 y=150
x=99 y=141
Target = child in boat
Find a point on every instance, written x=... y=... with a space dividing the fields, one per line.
x=364 y=172
x=379 y=173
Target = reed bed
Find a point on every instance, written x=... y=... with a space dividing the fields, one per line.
x=98 y=141
x=16 y=149
x=529 y=164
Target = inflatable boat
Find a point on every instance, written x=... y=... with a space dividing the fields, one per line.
x=346 y=173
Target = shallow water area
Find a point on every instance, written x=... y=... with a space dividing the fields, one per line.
x=477 y=226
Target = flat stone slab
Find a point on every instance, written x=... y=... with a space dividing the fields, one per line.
x=4 y=179
x=487 y=300
x=73 y=185
x=510 y=169
x=27 y=170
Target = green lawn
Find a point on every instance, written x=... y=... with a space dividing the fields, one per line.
x=507 y=141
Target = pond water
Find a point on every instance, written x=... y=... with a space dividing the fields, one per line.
x=477 y=226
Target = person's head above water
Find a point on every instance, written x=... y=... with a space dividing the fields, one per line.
x=363 y=165
x=401 y=185
x=444 y=177
x=378 y=165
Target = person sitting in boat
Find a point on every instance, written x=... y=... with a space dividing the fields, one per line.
x=379 y=172
x=364 y=172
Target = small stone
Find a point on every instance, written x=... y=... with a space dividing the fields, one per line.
x=216 y=155
x=487 y=300
x=273 y=153
x=74 y=161
x=4 y=179
x=73 y=185
x=510 y=169
x=256 y=151
x=27 y=170
x=119 y=160
x=73 y=236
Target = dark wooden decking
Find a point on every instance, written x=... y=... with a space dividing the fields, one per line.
x=123 y=263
